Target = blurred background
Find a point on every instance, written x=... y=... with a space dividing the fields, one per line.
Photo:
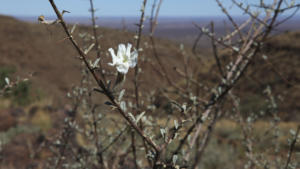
x=33 y=112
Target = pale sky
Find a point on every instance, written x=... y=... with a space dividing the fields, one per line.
x=114 y=7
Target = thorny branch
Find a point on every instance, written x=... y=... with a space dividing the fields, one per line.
x=136 y=84
x=215 y=50
x=232 y=76
x=92 y=10
x=292 y=147
x=99 y=81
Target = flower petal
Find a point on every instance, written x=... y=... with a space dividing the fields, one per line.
x=123 y=68
x=133 y=59
x=121 y=50
x=128 y=50
x=113 y=55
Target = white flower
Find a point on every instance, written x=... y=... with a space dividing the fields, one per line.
x=7 y=80
x=124 y=58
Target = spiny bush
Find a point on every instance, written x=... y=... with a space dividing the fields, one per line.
x=125 y=132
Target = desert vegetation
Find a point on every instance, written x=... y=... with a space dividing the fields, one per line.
x=133 y=100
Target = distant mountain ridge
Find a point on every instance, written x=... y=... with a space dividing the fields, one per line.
x=178 y=29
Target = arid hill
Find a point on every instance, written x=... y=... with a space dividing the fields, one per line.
x=43 y=52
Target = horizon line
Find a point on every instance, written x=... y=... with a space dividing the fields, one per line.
x=133 y=16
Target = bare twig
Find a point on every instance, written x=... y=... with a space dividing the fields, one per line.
x=215 y=50
x=292 y=147
x=114 y=140
x=133 y=147
x=96 y=39
x=231 y=35
x=247 y=11
x=230 y=19
x=196 y=42
x=154 y=17
x=139 y=34
x=280 y=10
x=205 y=141
x=97 y=142
x=136 y=85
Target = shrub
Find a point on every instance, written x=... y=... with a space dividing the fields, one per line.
x=5 y=71
x=21 y=93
